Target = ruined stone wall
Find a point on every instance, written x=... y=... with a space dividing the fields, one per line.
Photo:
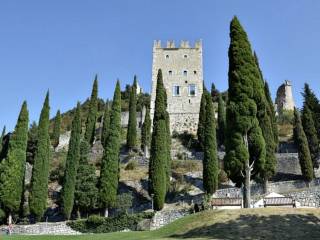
x=181 y=66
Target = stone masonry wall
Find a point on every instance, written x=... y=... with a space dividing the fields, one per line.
x=163 y=218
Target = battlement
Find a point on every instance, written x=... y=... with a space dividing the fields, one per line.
x=171 y=44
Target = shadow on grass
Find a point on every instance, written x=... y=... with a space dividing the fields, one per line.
x=275 y=227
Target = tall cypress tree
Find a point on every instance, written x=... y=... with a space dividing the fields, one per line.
x=109 y=176
x=92 y=114
x=132 y=124
x=210 y=160
x=159 y=147
x=12 y=168
x=56 y=130
x=303 y=148
x=32 y=142
x=1 y=139
x=86 y=192
x=221 y=120
x=245 y=145
x=312 y=102
x=146 y=132
x=202 y=119
x=311 y=134
x=72 y=163
x=106 y=124
x=40 y=170
x=266 y=117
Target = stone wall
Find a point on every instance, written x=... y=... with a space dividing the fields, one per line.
x=284 y=98
x=58 y=228
x=163 y=218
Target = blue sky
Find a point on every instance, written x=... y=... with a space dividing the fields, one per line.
x=60 y=45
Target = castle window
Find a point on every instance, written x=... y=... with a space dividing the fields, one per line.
x=185 y=73
x=185 y=56
x=176 y=90
x=194 y=72
x=167 y=56
x=192 y=89
x=170 y=72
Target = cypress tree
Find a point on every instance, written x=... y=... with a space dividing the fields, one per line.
x=40 y=170
x=106 y=124
x=210 y=160
x=109 y=176
x=312 y=102
x=311 y=134
x=168 y=141
x=92 y=114
x=12 y=168
x=159 y=147
x=303 y=148
x=221 y=120
x=56 y=130
x=146 y=132
x=202 y=119
x=72 y=163
x=86 y=192
x=245 y=145
x=267 y=122
x=132 y=124
x=214 y=93
x=32 y=142
x=1 y=139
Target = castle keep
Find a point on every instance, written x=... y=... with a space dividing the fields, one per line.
x=284 y=99
x=183 y=80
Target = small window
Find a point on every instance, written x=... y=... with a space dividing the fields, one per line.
x=194 y=72
x=185 y=56
x=192 y=90
x=167 y=56
x=170 y=72
x=176 y=90
x=185 y=81
x=185 y=73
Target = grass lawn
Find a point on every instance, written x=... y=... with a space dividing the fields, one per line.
x=269 y=223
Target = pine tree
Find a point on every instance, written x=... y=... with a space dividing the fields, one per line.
x=86 y=192
x=303 y=148
x=106 y=125
x=146 y=132
x=311 y=134
x=221 y=120
x=12 y=168
x=159 y=147
x=245 y=145
x=1 y=140
x=109 y=176
x=40 y=170
x=72 y=163
x=132 y=124
x=56 y=130
x=32 y=142
x=202 y=119
x=92 y=114
x=210 y=160
x=312 y=102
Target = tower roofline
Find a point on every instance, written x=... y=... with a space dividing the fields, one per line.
x=183 y=44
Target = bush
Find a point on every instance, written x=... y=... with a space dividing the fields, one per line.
x=2 y=216
x=124 y=202
x=97 y=224
x=132 y=165
x=223 y=177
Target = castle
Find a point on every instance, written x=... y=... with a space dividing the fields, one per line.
x=183 y=80
x=284 y=99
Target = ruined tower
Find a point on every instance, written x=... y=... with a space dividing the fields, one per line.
x=284 y=99
x=183 y=80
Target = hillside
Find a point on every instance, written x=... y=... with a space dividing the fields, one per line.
x=268 y=223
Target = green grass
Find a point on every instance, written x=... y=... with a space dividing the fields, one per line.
x=269 y=223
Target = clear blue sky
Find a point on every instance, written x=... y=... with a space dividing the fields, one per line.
x=60 y=45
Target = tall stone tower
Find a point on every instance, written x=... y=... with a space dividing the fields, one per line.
x=183 y=80
x=284 y=98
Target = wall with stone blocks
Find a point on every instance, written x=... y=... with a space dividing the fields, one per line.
x=163 y=218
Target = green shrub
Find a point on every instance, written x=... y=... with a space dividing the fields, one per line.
x=124 y=202
x=223 y=177
x=97 y=224
x=2 y=216
x=132 y=165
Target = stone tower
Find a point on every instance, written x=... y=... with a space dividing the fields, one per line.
x=284 y=98
x=183 y=80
